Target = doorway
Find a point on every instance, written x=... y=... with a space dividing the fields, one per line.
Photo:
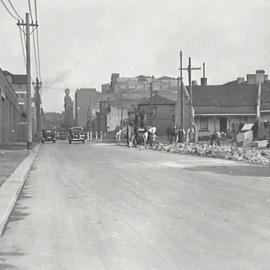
x=223 y=124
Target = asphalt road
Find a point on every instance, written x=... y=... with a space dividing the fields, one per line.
x=96 y=206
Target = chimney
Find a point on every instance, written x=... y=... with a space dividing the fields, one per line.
x=240 y=80
x=260 y=74
x=194 y=83
x=203 y=79
x=259 y=77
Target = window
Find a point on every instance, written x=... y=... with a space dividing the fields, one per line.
x=204 y=124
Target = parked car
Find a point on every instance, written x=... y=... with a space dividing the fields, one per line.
x=62 y=135
x=76 y=134
x=48 y=135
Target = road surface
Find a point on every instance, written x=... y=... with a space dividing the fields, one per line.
x=97 y=206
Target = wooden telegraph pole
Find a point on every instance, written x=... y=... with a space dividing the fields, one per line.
x=182 y=90
x=27 y=33
x=37 y=103
x=151 y=101
x=189 y=69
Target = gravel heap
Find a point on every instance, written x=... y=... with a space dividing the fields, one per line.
x=250 y=155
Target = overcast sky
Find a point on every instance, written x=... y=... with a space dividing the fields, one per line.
x=82 y=42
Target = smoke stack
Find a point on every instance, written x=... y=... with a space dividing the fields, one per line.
x=203 y=79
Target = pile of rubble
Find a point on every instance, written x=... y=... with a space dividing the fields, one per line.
x=250 y=155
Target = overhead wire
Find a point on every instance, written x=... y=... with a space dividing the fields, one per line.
x=37 y=40
x=35 y=54
x=22 y=44
x=12 y=6
x=9 y=12
x=17 y=19
x=34 y=38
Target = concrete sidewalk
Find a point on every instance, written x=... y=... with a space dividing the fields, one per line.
x=13 y=179
x=10 y=159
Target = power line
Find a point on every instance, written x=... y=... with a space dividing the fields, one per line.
x=7 y=9
x=38 y=53
x=35 y=2
x=35 y=54
x=36 y=48
x=22 y=43
x=15 y=10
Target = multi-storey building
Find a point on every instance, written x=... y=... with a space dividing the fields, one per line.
x=141 y=83
x=9 y=110
x=86 y=105
x=52 y=120
x=19 y=84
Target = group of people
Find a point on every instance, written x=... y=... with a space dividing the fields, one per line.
x=135 y=136
x=180 y=135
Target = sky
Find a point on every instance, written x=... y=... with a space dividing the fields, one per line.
x=82 y=42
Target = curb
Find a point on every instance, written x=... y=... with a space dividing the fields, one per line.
x=11 y=188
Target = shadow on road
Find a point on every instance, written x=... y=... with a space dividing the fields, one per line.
x=256 y=171
x=4 y=256
x=19 y=212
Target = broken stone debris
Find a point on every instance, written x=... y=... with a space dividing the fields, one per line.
x=256 y=156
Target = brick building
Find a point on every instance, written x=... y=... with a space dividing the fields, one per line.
x=19 y=84
x=52 y=120
x=9 y=111
x=86 y=105
x=140 y=83
x=163 y=115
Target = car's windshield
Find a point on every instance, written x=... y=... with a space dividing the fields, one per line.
x=48 y=132
x=76 y=130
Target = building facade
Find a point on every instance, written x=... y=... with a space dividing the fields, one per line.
x=226 y=107
x=141 y=83
x=52 y=120
x=9 y=111
x=162 y=116
x=87 y=105
x=113 y=112
x=19 y=84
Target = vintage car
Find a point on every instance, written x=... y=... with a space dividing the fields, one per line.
x=48 y=135
x=76 y=134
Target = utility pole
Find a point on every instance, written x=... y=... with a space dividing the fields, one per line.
x=182 y=90
x=27 y=33
x=37 y=103
x=190 y=69
x=151 y=101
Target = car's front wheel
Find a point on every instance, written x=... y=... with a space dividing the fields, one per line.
x=69 y=141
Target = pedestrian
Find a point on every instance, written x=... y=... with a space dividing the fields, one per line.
x=215 y=138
